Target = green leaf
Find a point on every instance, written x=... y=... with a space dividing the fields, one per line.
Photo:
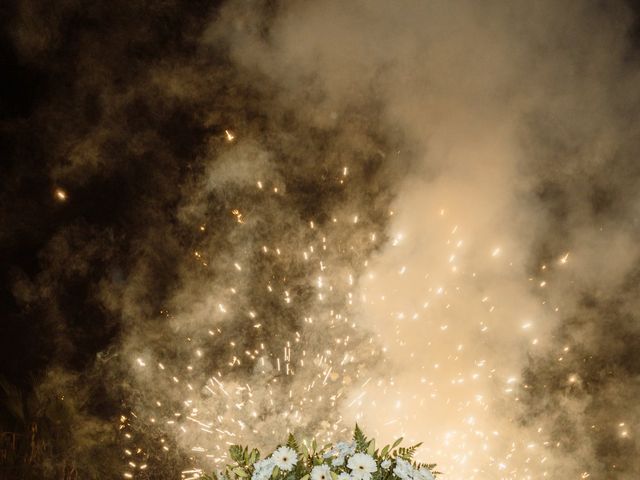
x=306 y=477
x=334 y=475
x=254 y=456
x=276 y=472
x=314 y=445
x=372 y=447
x=292 y=443
x=240 y=472
x=385 y=450
x=396 y=443
x=236 y=453
x=359 y=438
x=407 y=453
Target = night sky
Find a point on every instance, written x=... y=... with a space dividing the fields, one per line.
x=189 y=189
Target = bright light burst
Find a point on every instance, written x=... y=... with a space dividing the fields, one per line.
x=397 y=350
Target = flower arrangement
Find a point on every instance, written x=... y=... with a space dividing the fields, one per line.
x=356 y=460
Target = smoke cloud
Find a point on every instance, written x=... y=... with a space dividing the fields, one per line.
x=292 y=216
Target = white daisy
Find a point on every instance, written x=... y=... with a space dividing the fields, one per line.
x=340 y=451
x=362 y=466
x=344 y=476
x=262 y=469
x=345 y=448
x=403 y=470
x=220 y=475
x=321 y=472
x=385 y=464
x=337 y=462
x=285 y=458
x=423 y=474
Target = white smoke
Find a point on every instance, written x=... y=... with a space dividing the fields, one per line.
x=474 y=277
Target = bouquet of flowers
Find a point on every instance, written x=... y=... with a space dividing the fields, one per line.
x=356 y=460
